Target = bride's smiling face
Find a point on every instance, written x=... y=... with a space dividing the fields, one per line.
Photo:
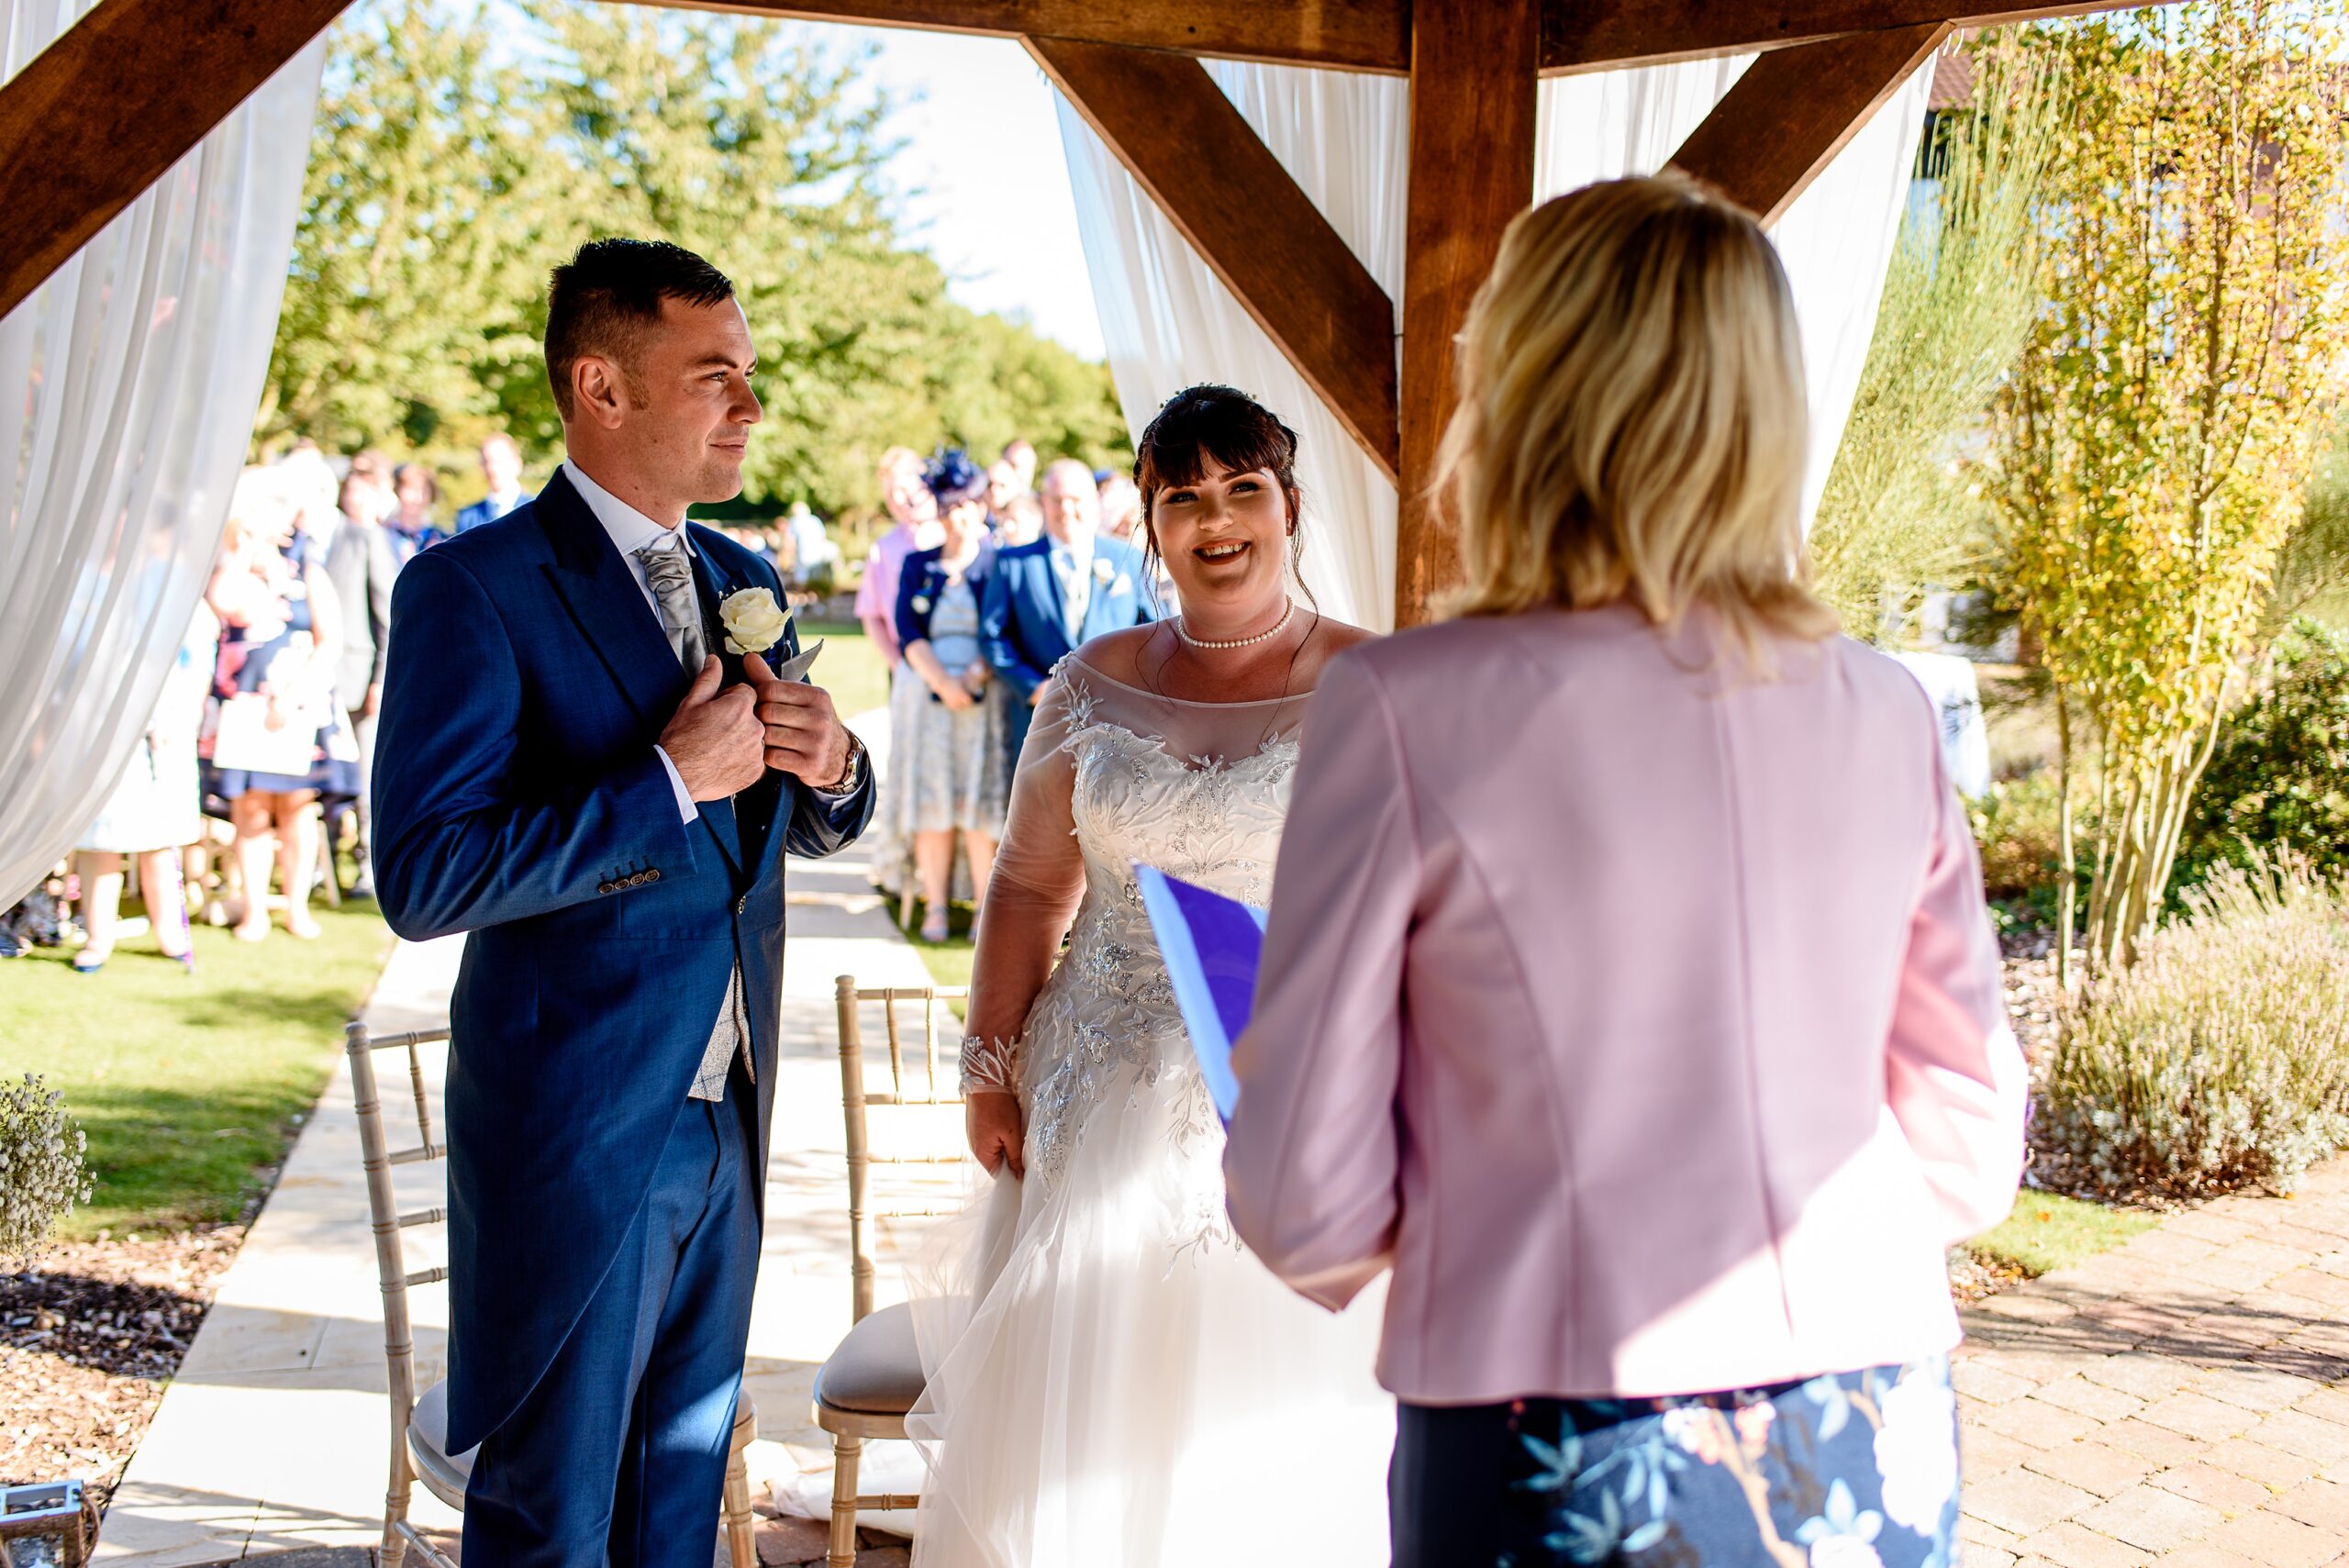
x=1225 y=538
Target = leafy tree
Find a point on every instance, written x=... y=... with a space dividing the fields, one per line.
x=1895 y=517
x=414 y=258
x=447 y=179
x=2172 y=398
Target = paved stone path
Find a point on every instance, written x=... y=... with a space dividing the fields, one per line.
x=2182 y=1399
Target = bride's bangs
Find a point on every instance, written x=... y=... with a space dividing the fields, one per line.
x=1219 y=425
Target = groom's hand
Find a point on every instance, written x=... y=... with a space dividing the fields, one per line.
x=804 y=736
x=715 y=740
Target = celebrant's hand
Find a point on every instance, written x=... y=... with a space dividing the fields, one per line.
x=804 y=736
x=991 y=1120
x=715 y=742
x=951 y=693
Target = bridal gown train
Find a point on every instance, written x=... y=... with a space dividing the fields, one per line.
x=1114 y=1381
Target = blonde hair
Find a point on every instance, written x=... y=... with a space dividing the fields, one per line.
x=1631 y=424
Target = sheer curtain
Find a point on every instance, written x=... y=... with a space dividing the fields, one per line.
x=128 y=386
x=1836 y=240
x=1168 y=322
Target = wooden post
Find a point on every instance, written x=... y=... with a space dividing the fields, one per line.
x=1474 y=72
x=120 y=97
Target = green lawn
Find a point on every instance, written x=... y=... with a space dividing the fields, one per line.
x=2045 y=1232
x=849 y=667
x=189 y=1087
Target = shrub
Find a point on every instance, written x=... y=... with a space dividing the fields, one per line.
x=2278 y=780
x=2017 y=827
x=41 y=1173
x=2221 y=1060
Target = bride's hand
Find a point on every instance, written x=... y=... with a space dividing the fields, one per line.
x=991 y=1120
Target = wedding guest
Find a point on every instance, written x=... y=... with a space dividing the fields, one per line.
x=1120 y=506
x=363 y=565
x=281 y=644
x=415 y=493
x=153 y=812
x=812 y=550
x=1046 y=599
x=951 y=775
x=1003 y=489
x=1022 y=522
x=908 y=501
x=501 y=467
x=1020 y=453
x=1628 y=989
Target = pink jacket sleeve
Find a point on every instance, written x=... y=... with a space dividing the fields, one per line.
x=1311 y=1160
x=1953 y=1072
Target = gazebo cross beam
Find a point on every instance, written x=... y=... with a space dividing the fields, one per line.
x=120 y=97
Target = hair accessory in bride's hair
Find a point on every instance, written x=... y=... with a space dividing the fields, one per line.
x=990 y=1064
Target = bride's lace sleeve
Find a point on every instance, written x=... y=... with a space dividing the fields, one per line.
x=1034 y=895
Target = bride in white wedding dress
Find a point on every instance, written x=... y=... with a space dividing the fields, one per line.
x=1114 y=1382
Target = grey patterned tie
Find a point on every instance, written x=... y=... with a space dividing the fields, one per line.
x=671 y=576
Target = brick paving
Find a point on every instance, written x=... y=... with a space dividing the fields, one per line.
x=2182 y=1399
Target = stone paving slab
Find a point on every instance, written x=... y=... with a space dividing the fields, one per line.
x=2183 y=1399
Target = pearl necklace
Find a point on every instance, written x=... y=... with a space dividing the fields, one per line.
x=1278 y=626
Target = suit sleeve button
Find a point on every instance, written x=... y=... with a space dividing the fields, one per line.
x=603 y=887
x=652 y=875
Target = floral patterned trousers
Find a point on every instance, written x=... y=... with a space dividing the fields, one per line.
x=1850 y=1470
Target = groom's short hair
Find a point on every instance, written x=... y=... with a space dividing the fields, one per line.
x=601 y=300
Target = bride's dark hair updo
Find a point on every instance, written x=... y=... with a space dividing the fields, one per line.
x=1231 y=427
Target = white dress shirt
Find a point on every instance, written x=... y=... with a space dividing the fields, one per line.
x=630 y=531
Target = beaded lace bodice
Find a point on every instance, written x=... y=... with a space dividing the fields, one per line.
x=1198 y=791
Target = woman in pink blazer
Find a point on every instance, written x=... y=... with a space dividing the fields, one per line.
x=1629 y=990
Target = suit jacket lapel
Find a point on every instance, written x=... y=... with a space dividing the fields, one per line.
x=608 y=605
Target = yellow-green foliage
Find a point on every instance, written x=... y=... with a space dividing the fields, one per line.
x=2220 y=1057
x=2175 y=394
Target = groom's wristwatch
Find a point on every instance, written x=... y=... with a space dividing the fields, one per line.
x=847 y=781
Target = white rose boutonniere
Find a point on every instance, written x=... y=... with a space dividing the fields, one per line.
x=1104 y=572
x=1124 y=584
x=753 y=621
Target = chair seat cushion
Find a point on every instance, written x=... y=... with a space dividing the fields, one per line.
x=443 y=1472
x=876 y=1371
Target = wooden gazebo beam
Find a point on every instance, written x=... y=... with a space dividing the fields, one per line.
x=1600 y=35
x=114 y=102
x=1794 y=109
x=1338 y=35
x=1205 y=167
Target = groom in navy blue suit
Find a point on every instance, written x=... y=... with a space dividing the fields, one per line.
x=1059 y=592
x=581 y=770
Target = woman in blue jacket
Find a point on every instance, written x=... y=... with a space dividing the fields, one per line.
x=951 y=776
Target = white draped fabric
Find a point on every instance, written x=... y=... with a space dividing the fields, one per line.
x=128 y=386
x=1168 y=322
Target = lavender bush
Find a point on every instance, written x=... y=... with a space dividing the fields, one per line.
x=2221 y=1059
x=42 y=1172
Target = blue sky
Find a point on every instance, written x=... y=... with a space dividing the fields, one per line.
x=980 y=178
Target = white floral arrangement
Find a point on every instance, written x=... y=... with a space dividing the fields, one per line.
x=754 y=622
x=41 y=1172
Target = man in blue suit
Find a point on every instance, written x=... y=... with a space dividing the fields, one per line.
x=580 y=769
x=1052 y=595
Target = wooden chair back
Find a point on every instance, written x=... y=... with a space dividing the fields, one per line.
x=391 y=1225
x=857 y=1097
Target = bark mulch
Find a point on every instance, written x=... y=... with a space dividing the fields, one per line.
x=88 y=1338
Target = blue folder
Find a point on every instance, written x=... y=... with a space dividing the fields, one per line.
x=1211 y=945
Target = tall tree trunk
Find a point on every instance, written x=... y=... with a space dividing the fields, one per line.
x=2068 y=895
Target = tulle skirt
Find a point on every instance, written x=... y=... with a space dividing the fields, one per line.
x=1114 y=1380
